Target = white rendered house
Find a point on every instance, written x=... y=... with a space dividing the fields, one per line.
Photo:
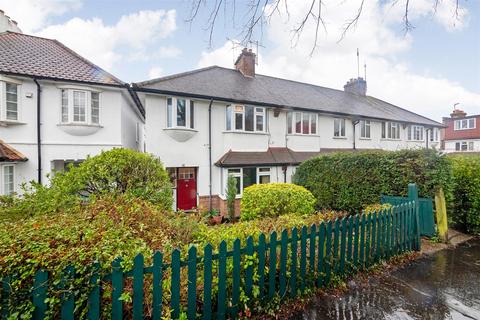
x=57 y=108
x=209 y=123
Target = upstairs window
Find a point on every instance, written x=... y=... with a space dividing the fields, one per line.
x=415 y=133
x=365 y=131
x=391 y=130
x=245 y=118
x=465 y=124
x=180 y=113
x=11 y=91
x=301 y=123
x=80 y=106
x=339 y=127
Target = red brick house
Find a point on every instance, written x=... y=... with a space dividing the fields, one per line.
x=462 y=133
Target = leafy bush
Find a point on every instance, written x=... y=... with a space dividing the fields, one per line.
x=118 y=171
x=465 y=209
x=350 y=180
x=275 y=199
x=231 y=195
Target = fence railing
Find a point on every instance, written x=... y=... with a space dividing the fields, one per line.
x=216 y=283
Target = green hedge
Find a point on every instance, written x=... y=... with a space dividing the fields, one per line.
x=275 y=199
x=351 y=180
x=465 y=209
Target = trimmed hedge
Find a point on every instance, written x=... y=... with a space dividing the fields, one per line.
x=465 y=209
x=275 y=199
x=351 y=180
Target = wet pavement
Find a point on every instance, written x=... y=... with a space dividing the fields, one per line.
x=445 y=285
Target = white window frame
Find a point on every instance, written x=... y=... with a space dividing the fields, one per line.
x=232 y=110
x=70 y=117
x=416 y=133
x=465 y=124
x=312 y=123
x=364 y=124
x=342 y=130
x=3 y=186
x=261 y=172
x=171 y=115
x=3 y=99
x=388 y=128
x=434 y=135
x=239 y=174
x=469 y=146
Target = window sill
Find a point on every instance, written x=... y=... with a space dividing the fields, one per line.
x=302 y=135
x=415 y=140
x=7 y=123
x=368 y=139
x=340 y=138
x=79 y=129
x=386 y=139
x=247 y=132
x=180 y=134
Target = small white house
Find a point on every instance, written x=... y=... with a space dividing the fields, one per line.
x=209 y=123
x=57 y=108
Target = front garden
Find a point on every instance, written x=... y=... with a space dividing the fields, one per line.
x=118 y=205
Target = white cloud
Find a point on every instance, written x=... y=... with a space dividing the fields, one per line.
x=106 y=45
x=32 y=15
x=155 y=72
x=333 y=62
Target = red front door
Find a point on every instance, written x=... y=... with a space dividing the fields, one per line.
x=186 y=189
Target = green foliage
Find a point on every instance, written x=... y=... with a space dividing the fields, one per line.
x=115 y=172
x=465 y=209
x=275 y=199
x=231 y=195
x=350 y=180
x=377 y=208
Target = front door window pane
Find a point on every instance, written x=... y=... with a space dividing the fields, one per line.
x=181 y=113
x=79 y=106
x=12 y=101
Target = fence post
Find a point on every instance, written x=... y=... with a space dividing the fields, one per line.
x=40 y=286
x=413 y=196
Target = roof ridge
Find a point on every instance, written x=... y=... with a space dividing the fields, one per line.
x=174 y=76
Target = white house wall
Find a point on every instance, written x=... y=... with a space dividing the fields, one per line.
x=194 y=152
x=116 y=114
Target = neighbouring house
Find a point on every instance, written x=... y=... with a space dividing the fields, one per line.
x=57 y=108
x=462 y=132
x=213 y=122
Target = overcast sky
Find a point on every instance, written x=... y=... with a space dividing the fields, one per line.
x=428 y=70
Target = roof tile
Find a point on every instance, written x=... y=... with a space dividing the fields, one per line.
x=8 y=153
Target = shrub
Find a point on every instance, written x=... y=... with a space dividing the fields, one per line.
x=351 y=180
x=275 y=199
x=118 y=171
x=231 y=195
x=465 y=209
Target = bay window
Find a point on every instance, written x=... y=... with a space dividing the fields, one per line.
x=80 y=106
x=415 y=133
x=338 y=127
x=245 y=118
x=391 y=130
x=8 y=183
x=248 y=176
x=365 y=129
x=180 y=113
x=301 y=123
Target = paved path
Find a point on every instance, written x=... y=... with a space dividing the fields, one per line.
x=445 y=285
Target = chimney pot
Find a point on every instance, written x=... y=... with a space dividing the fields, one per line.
x=356 y=86
x=246 y=63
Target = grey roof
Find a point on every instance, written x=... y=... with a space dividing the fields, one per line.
x=46 y=58
x=230 y=85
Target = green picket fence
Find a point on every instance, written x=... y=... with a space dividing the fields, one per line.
x=214 y=282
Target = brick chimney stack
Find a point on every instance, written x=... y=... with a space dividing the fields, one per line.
x=457 y=113
x=356 y=86
x=246 y=63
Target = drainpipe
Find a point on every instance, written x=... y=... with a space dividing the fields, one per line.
x=39 y=138
x=354 y=122
x=210 y=155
